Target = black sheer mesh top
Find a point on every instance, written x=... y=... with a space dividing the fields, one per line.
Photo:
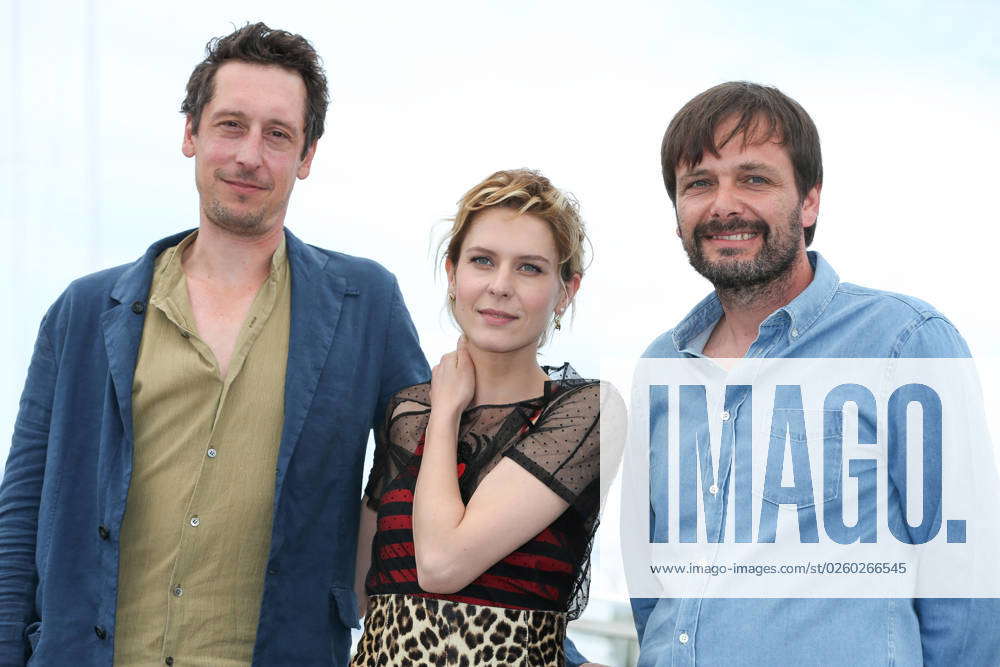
x=555 y=437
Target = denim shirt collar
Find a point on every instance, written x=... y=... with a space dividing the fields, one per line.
x=800 y=313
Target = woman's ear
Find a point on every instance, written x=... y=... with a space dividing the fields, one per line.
x=449 y=269
x=570 y=288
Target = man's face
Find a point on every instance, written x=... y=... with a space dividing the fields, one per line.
x=248 y=147
x=739 y=215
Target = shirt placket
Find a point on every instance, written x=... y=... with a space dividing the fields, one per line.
x=735 y=414
x=198 y=517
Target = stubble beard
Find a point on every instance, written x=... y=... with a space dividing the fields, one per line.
x=741 y=282
x=250 y=223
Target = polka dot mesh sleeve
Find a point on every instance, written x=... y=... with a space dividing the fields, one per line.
x=562 y=449
x=397 y=438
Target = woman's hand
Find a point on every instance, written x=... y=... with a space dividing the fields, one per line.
x=453 y=382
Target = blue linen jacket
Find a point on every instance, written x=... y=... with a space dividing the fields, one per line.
x=351 y=346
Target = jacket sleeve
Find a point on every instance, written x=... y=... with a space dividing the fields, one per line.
x=953 y=631
x=20 y=494
x=403 y=363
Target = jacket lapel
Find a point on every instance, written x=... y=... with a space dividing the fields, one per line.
x=121 y=326
x=317 y=297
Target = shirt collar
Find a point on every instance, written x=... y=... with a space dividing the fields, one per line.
x=802 y=311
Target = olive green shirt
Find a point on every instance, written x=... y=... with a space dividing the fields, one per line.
x=197 y=527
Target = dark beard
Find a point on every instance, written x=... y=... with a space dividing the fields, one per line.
x=744 y=278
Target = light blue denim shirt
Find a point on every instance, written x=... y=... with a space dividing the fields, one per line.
x=829 y=319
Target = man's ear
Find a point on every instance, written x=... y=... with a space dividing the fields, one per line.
x=810 y=206
x=306 y=164
x=187 y=145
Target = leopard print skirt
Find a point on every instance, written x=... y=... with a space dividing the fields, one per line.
x=413 y=631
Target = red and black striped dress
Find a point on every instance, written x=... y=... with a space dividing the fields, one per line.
x=556 y=438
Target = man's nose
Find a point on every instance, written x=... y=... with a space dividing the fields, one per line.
x=727 y=202
x=249 y=153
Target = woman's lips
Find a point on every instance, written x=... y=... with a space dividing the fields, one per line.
x=496 y=317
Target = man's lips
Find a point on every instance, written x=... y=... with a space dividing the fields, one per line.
x=243 y=186
x=496 y=316
x=732 y=236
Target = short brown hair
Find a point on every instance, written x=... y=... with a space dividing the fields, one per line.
x=258 y=44
x=524 y=191
x=762 y=113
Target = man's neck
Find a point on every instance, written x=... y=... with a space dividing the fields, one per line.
x=229 y=261
x=745 y=308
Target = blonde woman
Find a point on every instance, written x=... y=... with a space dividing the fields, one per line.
x=484 y=495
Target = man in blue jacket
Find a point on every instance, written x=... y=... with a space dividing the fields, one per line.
x=742 y=164
x=184 y=479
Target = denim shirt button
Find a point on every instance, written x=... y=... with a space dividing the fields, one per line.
x=100 y=632
x=138 y=307
x=684 y=638
x=103 y=532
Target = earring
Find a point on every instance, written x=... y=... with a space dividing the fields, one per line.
x=451 y=296
x=557 y=320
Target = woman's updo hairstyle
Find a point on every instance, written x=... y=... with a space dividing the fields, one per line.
x=524 y=191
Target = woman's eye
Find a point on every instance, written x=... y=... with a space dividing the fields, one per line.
x=482 y=260
x=531 y=268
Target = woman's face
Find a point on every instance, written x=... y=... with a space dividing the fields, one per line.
x=506 y=281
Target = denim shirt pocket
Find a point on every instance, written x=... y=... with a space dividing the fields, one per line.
x=344 y=603
x=812 y=443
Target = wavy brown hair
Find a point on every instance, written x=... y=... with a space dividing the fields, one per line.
x=762 y=113
x=258 y=44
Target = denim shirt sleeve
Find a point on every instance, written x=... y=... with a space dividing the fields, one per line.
x=20 y=495
x=573 y=656
x=959 y=631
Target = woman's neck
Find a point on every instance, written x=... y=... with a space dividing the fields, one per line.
x=506 y=377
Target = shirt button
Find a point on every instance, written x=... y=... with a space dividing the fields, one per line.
x=795 y=333
x=100 y=632
x=725 y=415
x=103 y=531
x=714 y=489
x=195 y=521
x=683 y=638
x=178 y=591
x=185 y=334
x=212 y=453
x=138 y=307
x=169 y=660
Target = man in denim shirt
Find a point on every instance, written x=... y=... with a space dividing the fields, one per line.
x=742 y=165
